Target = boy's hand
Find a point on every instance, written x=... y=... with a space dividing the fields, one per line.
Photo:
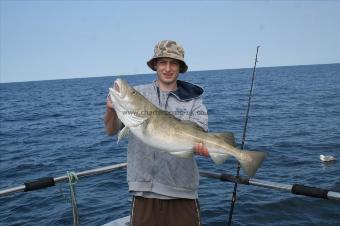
x=201 y=150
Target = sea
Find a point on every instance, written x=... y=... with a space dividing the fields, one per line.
x=50 y=127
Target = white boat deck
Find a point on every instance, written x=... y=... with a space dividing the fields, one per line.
x=124 y=221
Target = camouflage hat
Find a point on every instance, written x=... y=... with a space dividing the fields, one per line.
x=168 y=48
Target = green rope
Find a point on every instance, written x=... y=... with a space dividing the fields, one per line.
x=73 y=179
x=65 y=197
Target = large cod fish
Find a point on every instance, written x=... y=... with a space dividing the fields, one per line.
x=162 y=130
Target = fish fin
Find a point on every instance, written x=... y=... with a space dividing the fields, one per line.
x=219 y=158
x=227 y=137
x=252 y=161
x=190 y=123
x=183 y=154
x=122 y=133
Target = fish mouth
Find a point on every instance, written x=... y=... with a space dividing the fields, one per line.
x=117 y=88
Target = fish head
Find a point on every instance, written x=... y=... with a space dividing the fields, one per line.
x=128 y=103
x=120 y=89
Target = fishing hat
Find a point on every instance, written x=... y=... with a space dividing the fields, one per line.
x=171 y=49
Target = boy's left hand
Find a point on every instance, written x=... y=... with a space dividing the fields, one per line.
x=200 y=149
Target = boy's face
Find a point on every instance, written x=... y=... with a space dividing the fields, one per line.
x=167 y=70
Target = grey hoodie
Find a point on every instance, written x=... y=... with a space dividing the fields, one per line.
x=156 y=174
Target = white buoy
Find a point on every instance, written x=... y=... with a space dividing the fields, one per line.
x=327 y=158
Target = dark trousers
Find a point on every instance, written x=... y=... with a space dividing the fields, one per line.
x=164 y=212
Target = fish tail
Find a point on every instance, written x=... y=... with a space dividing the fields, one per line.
x=252 y=161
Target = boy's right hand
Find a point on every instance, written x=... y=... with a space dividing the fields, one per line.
x=109 y=104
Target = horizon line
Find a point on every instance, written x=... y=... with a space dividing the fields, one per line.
x=56 y=79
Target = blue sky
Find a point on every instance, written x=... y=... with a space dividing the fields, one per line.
x=43 y=40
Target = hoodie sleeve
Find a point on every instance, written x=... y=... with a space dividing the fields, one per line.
x=199 y=114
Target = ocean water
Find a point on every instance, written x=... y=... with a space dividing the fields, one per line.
x=50 y=127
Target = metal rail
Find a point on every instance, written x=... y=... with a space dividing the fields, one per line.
x=50 y=181
x=296 y=189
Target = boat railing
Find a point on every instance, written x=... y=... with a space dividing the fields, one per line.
x=296 y=189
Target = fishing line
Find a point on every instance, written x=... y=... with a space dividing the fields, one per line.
x=233 y=199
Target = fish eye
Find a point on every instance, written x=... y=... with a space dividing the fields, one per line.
x=134 y=92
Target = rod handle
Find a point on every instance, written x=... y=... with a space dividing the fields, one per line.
x=43 y=182
x=299 y=189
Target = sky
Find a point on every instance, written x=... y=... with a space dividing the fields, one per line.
x=43 y=40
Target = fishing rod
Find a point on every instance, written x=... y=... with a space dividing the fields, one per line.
x=296 y=189
x=233 y=199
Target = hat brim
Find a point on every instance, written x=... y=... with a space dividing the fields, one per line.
x=182 y=69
